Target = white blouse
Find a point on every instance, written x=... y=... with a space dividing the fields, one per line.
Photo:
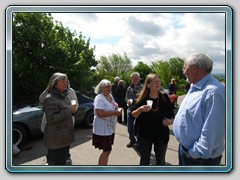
x=104 y=126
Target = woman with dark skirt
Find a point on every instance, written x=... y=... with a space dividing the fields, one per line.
x=106 y=111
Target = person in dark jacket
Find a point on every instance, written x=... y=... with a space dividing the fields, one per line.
x=121 y=94
x=115 y=88
x=152 y=121
x=59 y=129
x=172 y=87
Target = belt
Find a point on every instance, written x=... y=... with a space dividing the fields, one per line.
x=188 y=156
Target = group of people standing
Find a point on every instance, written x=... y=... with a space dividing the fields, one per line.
x=199 y=125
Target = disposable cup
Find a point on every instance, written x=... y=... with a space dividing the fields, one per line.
x=130 y=101
x=73 y=102
x=149 y=103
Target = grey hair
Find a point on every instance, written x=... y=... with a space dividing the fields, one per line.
x=103 y=83
x=54 y=79
x=202 y=61
x=135 y=74
x=116 y=79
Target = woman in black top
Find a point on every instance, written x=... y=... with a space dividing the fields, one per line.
x=152 y=122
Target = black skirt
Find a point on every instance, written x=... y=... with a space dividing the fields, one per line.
x=103 y=142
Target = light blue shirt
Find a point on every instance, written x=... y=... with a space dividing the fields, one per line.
x=200 y=122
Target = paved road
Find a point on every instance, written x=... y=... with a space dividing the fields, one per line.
x=83 y=153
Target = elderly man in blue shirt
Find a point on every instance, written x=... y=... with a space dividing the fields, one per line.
x=199 y=125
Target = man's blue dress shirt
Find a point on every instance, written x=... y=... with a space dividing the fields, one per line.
x=200 y=122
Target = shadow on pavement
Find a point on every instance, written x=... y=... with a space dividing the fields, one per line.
x=34 y=148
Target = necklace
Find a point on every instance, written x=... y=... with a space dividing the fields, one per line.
x=157 y=105
x=108 y=98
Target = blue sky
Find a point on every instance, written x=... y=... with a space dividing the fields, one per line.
x=150 y=37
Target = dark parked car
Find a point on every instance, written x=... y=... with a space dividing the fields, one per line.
x=26 y=123
x=85 y=113
x=27 y=120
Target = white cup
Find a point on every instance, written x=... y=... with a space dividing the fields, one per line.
x=149 y=103
x=73 y=102
x=130 y=101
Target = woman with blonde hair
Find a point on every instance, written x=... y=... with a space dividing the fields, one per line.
x=152 y=120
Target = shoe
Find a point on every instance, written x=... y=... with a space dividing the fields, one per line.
x=130 y=144
x=46 y=163
x=69 y=161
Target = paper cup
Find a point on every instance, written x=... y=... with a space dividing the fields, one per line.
x=119 y=109
x=130 y=102
x=149 y=103
x=73 y=102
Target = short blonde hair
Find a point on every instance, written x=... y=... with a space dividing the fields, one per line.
x=103 y=83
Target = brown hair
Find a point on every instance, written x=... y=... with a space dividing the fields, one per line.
x=145 y=91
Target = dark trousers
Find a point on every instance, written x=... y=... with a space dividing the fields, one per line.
x=57 y=156
x=131 y=128
x=145 y=148
x=125 y=116
x=185 y=160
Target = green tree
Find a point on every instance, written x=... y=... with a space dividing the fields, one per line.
x=168 y=69
x=143 y=69
x=163 y=70
x=176 y=66
x=42 y=47
x=112 y=66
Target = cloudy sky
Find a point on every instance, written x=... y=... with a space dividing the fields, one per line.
x=150 y=37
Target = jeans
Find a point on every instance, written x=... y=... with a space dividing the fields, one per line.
x=145 y=148
x=185 y=160
x=130 y=125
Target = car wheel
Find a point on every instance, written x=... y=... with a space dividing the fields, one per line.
x=19 y=135
x=88 y=119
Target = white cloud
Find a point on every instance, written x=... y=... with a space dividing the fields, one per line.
x=149 y=37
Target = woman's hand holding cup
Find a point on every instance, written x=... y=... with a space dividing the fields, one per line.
x=74 y=106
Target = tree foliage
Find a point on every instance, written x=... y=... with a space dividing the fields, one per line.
x=169 y=69
x=41 y=48
x=143 y=69
x=112 y=66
